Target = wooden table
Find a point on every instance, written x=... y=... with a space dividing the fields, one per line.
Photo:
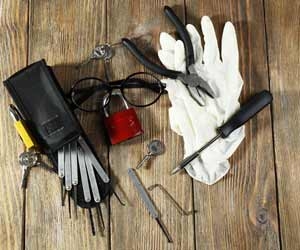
x=256 y=206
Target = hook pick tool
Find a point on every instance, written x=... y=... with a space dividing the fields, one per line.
x=245 y=113
x=148 y=202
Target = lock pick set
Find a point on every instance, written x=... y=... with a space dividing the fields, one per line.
x=45 y=119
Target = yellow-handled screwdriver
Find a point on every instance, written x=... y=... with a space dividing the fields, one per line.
x=21 y=128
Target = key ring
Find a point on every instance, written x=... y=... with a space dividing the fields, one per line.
x=28 y=159
x=102 y=51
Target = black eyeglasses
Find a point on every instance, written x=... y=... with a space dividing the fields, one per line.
x=140 y=89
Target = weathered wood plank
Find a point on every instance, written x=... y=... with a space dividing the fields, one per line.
x=64 y=33
x=131 y=226
x=283 y=31
x=13 y=56
x=239 y=212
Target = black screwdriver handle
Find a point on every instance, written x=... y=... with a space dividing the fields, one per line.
x=147 y=63
x=246 y=112
x=183 y=34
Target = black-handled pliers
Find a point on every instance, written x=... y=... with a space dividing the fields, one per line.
x=191 y=78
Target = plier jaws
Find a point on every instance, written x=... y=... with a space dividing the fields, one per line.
x=191 y=78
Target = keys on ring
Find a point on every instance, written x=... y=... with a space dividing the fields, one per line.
x=28 y=160
x=102 y=51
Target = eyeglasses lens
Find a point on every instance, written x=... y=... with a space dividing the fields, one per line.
x=142 y=89
x=88 y=94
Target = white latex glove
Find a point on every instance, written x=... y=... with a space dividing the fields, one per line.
x=197 y=124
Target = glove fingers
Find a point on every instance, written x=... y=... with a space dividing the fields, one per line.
x=166 y=41
x=167 y=58
x=196 y=41
x=230 y=53
x=211 y=50
x=230 y=58
x=179 y=56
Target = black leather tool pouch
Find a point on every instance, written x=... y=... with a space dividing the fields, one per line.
x=41 y=101
x=48 y=116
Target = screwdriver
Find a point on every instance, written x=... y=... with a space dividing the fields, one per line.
x=245 y=113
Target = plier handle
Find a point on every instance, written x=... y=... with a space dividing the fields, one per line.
x=191 y=78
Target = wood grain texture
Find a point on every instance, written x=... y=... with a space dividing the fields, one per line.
x=64 y=33
x=13 y=54
x=283 y=30
x=239 y=212
x=131 y=226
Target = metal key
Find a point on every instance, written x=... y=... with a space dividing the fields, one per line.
x=25 y=174
x=102 y=51
x=154 y=148
x=27 y=160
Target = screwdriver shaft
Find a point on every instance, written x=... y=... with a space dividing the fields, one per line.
x=193 y=156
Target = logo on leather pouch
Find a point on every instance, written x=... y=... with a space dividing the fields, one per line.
x=53 y=125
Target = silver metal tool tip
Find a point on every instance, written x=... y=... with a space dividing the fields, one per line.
x=176 y=170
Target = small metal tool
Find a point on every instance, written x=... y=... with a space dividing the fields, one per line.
x=96 y=164
x=61 y=172
x=92 y=179
x=62 y=192
x=171 y=198
x=68 y=173
x=148 y=202
x=92 y=221
x=245 y=113
x=69 y=203
x=154 y=148
x=100 y=217
x=74 y=167
x=84 y=176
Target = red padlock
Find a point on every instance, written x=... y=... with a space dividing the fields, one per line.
x=121 y=125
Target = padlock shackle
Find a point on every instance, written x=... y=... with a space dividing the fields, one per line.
x=107 y=98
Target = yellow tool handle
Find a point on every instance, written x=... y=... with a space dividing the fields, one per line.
x=22 y=131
